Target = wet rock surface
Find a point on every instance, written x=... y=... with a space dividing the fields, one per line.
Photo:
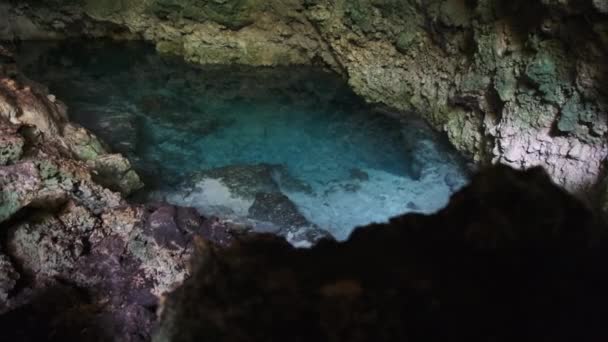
x=244 y=180
x=512 y=257
x=276 y=208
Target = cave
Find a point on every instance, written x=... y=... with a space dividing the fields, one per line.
x=285 y=150
x=308 y=170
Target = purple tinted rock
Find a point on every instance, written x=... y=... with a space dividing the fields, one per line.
x=216 y=231
x=164 y=228
x=189 y=220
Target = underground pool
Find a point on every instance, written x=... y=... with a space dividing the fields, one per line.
x=291 y=151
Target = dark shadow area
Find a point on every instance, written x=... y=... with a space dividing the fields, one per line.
x=59 y=313
x=512 y=258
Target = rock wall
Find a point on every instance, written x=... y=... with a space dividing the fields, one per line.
x=77 y=262
x=27 y=104
x=515 y=82
x=512 y=82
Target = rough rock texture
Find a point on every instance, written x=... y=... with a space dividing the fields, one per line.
x=277 y=208
x=515 y=82
x=77 y=262
x=46 y=22
x=78 y=274
x=28 y=106
x=244 y=31
x=512 y=257
x=512 y=82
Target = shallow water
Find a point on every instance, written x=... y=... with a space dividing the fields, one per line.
x=282 y=149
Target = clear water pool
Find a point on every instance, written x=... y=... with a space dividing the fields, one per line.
x=284 y=150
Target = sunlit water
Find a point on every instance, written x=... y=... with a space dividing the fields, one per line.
x=230 y=140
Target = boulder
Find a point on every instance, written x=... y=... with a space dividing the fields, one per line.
x=115 y=172
x=277 y=208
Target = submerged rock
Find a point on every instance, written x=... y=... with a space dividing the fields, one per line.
x=244 y=180
x=231 y=191
x=275 y=207
x=247 y=198
x=226 y=192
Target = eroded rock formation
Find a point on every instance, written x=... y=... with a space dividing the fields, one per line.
x=511 y=82
x=78 y=262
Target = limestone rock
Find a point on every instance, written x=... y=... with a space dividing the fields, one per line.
x=24 y=103
x=11 y=144
x=115 y=172
x=601 y=6
x=244 y=180
x=84 y=144
x=8 y=279
x=276 y=208
x=19 y=185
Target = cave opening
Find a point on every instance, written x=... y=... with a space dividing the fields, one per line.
x=291 y=151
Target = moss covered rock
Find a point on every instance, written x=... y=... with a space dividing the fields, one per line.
x=114 y=171
x=231 y=13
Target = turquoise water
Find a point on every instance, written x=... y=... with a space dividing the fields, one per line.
x=220 y=137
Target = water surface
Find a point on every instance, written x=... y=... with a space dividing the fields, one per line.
x=285 y=150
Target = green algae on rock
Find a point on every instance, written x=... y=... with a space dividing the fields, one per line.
x=28 y=106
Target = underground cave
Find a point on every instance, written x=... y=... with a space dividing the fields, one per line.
x=283 y=150
x=315 y=170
